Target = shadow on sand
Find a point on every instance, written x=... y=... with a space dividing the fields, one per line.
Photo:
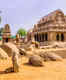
x=28 y=64
x=7 y=71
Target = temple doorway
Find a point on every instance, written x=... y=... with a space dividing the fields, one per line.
x=6 y=40
x=46 y=37
x=62 y=37
x=57 y=37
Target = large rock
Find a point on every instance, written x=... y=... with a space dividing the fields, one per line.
x=25 y=52
x=54 y=45
x=35 y=60
x=9 y=48
x=36 y=44
x=3 y=54
x=50 y=56
x=31 y=48
x=58 y=45
x=22 y=51
x=13 y=52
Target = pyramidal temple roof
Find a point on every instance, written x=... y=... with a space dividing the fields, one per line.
x=55 y=20
x=7 y=28
x=50 y=16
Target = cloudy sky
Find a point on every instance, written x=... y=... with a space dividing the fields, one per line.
x=25 y=13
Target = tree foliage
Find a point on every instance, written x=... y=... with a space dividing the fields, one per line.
x=22 y=32
x=1 y=31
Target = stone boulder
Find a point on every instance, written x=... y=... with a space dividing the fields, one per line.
x=31 y=48
x=36 y=44
x=58 y=45
x=54 y=45
x=3 y=54
x=13 y=52
x=22 y=51
x=9 y=48
x=35 y=60
x=50 y=56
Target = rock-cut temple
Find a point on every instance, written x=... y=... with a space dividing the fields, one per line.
x=51 y=27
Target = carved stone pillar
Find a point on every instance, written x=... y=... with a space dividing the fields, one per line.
x=38 y=37
x=41 y=37
x=64 y=36
x=59 y=36
x=33 y=37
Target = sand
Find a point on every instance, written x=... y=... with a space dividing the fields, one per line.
x=51 y=71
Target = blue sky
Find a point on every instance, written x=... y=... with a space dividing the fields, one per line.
x=25 y=13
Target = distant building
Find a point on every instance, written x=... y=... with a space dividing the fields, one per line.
x=50 y=28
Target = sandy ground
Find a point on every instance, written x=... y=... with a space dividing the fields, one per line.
x=51 y=71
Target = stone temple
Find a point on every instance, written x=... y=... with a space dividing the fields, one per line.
x=6 y=33
x=51 y=27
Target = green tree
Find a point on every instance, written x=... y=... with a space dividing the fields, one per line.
x=1 y=31
x=22 y=32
